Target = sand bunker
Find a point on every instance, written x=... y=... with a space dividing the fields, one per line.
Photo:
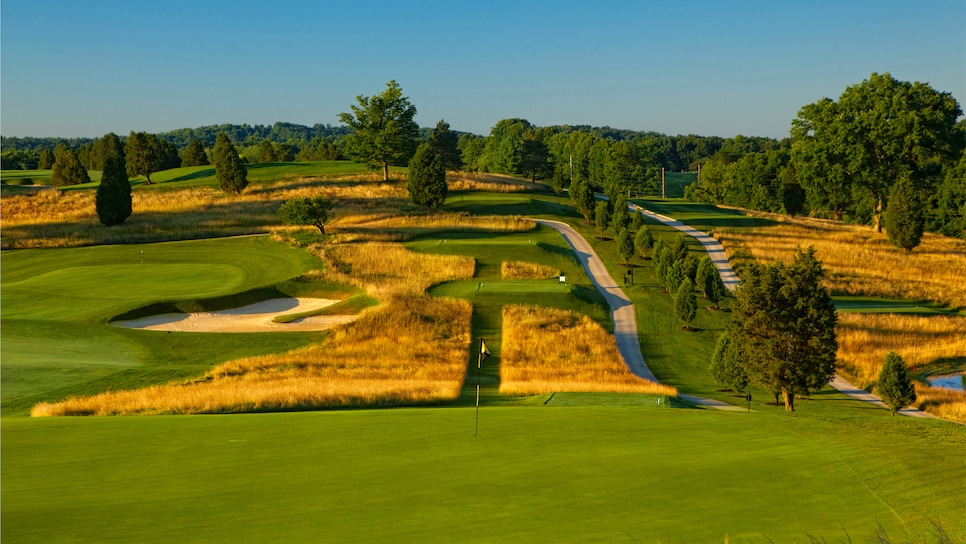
x=252 y=318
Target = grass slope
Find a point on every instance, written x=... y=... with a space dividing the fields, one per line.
x=590 y=474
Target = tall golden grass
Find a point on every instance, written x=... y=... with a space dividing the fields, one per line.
x=490 y=183
x=518 y=270
x=411 y=350
x=549 y=350
x=859 y=261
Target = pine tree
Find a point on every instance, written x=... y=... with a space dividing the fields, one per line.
x=384 y=132
x=643 y=242
x=715 y=288
x=685 y=303
x=113 y=198
x=705 y=269
x=619 y=216
x=446 y=144
x=229 y=170
x=625 y=245
x=726 y=366
x=67 y=168
x=674 y=276
x=894 y=386
x=903 y=217
x=194 y=155
x=427 y=178
x=601 y=218
x=583 y=197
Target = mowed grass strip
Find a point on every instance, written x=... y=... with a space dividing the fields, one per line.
x=594 y=474
x=548 y=350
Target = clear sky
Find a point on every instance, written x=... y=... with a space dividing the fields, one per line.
x=84 y=68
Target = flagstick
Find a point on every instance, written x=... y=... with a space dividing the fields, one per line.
x=479 y=364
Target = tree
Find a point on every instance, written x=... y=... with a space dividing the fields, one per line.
x=894 y=386
x=726 y=368
x=674 y=276
x=194 y=154
x=113 y=198
x=714 y=288
x=384 y=132
x=46 y=160
x=705 y=268
x=903 y=217
x=427 y=178
x=67 y=168
x=266 y=151
x=620 y=216
x=446 y=144
x=880 y=131
x=662 y=261
x=643 y=242
x=306 y=211
x=784 y=320
x=583 y=197
x=601 y=218
x=231 y=173
x=625 y=245
x=141 y=156
x=685 y=303
x=535 y=159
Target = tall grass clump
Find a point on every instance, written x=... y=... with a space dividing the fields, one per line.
x=518 y=270
x=549 y=350
x=407 y=352
x=491 y=183
x=857 y=260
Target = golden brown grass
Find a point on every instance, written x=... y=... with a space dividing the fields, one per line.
x=409 y=351
x=549 y=350
x=859 y=261
x=51 y=218
x=491 y=183
x=517 y=270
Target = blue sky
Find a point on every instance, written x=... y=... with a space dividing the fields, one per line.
x=70 y=68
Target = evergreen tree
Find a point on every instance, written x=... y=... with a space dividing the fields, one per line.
x=685 y=303
x=674 y=276
x=903 y=216
x=231 y=173
x=194 y=155
x=726 y=366
x=715 y=288
x=662 y=261
x=784 y=320
x=625 y=245
x=427 y=178
x=534 y=158
x=894 y=386
x=601 y=218
x=113 y=198
x=620 y=217
x=690 y=266
x=306 y=211
x=637 y=221
x=643 y=242
x=705 y=268
x=446 y=144
x=140 y=156
x=46 y=160
x=67 y=168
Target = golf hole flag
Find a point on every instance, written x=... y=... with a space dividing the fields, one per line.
x=484 y=353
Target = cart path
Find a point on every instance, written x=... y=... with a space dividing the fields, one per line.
x=622 y=311
x=720 y=259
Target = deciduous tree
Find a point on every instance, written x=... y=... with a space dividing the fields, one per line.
x=384 y=132
x=113 y=198
x=195 y=155
x=685 y=303
x=231 y=173
x=427 y=178
x=601 y=217
x=643 y=242
x=625 y=244
x=894 y=386
x=726 y=367
x=311 y=211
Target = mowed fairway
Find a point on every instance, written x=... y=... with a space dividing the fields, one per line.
x=56 y=304
x=588 y=474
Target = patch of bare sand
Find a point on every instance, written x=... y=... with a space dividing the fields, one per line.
x=252 y=318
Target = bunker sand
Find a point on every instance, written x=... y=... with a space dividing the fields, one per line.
x=252 y=318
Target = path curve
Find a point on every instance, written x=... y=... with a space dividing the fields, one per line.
x=622 y=311
x=720 y=259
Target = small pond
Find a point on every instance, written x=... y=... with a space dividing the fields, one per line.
x=949 y=381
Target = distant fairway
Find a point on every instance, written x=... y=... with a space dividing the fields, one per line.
x=582 y=474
